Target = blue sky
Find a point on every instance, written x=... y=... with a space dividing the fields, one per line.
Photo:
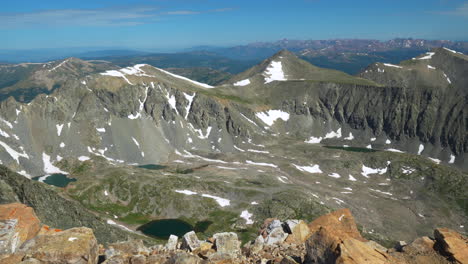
x=175 y=24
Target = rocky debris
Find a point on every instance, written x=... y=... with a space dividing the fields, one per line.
x=75 y=245
x=334 y=239
x=452 y=244
x=190 y=241
x=273 y=232
x=18 y=223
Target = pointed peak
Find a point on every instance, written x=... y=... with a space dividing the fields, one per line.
x=283 y=54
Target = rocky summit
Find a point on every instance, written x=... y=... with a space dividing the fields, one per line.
x=258 y=168
x=331 y=238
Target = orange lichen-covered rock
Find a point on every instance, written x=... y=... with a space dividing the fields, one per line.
x=18 y=223
x=340 y=223
x=452 y=244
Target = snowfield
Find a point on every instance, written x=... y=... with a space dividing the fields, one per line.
x=242 y=83
x=274 y=72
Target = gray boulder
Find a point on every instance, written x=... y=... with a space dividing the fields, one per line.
x=172 y=242
x=190 y=241
x=227 y=243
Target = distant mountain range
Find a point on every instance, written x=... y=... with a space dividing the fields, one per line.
x=348 y=55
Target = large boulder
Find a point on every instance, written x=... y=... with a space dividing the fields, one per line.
x=227 y=243
x=298 y=231
x=172 y=242
x=18 y=223
x=353 y=251
x=190 y=241
x=452 y=244
x=324 y=247
x=128 y=248
x=75 y=245
x=340 y=222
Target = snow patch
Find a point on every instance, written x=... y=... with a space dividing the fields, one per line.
x=274 y=72
x=334 y=175
x=350 y=137
x=83 y=158
x=395 y=150
x=333 y=134
x=13 y=153
x=101 y=130
x=186 y=192
x=261 y=164
x=428 y=56
x=247 y=216
x=392 y=65
x=437 y=161
x=221 y=201
x=59 y=129
x=407 y=170
x=366 y=171
x=351 y=178
x=271 y=116
x=431 y=67
x=309 y=169
x=420 y=149
x=115 y=73
x=185 y=79
x=452 y=159
x=314 y=140
x=4 y=134
x=450 y=50
x=49 y=168
x=242 y=83
x=136 y=142
x=189 y=104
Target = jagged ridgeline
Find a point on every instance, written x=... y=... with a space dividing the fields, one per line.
x=284 y=139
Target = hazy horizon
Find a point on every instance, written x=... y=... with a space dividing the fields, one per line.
x=164 y=25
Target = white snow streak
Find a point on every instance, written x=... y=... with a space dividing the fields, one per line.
x=309 y=169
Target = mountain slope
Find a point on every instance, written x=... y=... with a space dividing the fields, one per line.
x=285 y=66
x=145 y=144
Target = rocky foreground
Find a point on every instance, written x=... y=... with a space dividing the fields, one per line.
x=332 y=238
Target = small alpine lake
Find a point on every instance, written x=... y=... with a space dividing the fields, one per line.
x=152 y=166
x=163 y=228
x=56 y=179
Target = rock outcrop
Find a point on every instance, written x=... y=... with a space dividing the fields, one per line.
x=452 y=244
x=18 y=223
x=332 y=238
